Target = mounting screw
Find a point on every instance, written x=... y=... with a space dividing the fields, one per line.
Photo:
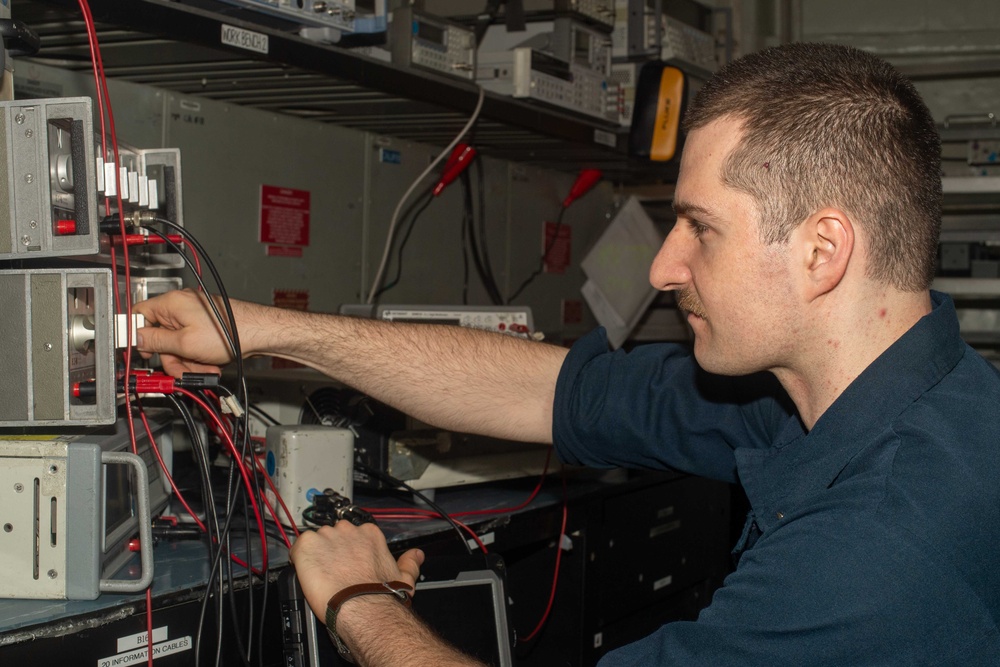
x=47 y=347
x=29 y=133
x=19 y=118
x=25 y=240
x=33 y=224
x=29 y=178
x=53 y=470
x=7 y=528
x=18 y=488
x=53 y=574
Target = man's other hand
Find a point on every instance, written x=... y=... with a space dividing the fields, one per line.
x=335 y=557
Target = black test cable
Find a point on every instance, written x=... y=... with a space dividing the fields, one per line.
x=414 y=210
x=204 y=470
x=223 y=537
x=234 y=344
x=215 y=545
x=241 y=434
x=541 y=264
x=215 y=554
x=484 y=246
x=480 y=248
x=233 y=341
x=243 y=426
x=398 y=483
x=468 y=238
x=464 y=234
x=465 y=261
x=469 y=230
x=234 y=490
x=476 y=243
x=263 y=415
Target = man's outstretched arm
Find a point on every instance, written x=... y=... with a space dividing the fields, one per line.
x=460 y=379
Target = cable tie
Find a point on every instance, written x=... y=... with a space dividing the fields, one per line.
x=232 y=405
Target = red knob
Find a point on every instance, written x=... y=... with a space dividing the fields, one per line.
x=65 y=227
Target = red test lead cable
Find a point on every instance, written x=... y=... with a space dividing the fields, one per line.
x=585 y=181
x=459 y=160
x=143 y=239
x=244 y=473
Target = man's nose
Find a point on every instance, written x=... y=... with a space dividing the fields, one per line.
x=670 y=270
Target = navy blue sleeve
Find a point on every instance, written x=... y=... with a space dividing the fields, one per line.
x=655 y=408
x=833 y=587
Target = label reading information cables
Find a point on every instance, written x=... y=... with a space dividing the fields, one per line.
x=132 y=650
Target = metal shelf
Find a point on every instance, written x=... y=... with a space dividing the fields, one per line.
x=178 y=47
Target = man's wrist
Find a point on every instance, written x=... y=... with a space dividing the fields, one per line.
x=396 y=591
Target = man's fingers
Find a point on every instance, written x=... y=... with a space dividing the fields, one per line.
x=176 y=366
x=409 y=565
x=157 y=309
x=151 y=339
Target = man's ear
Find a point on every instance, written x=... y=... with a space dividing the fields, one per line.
x=826 y=240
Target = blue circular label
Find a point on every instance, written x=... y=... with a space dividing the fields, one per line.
x=272 y=463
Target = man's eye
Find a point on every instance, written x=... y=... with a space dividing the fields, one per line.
x=697 y=228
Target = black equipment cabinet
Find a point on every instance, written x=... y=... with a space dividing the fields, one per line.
x=640 y=552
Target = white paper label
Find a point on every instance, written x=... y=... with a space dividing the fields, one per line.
x=139 y=640
x=244 y=39
x=138 y=656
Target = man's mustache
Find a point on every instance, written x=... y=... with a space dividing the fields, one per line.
x=689 y=303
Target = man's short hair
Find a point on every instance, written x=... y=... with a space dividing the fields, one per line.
x=829 y=125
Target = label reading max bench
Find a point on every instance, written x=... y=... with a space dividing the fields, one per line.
x=244 y=39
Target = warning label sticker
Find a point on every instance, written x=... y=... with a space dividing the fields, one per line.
x=557 y=242
x=284 y=216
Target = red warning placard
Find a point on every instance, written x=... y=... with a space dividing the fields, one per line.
x=557 y=241
x=284 y=216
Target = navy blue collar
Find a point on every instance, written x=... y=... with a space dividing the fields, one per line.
x=803 y=462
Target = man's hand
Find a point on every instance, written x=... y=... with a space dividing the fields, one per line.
x=378 y=630
x=188 y=338
x=335 y=557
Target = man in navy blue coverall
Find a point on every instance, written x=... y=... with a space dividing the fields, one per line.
x=826 y=379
